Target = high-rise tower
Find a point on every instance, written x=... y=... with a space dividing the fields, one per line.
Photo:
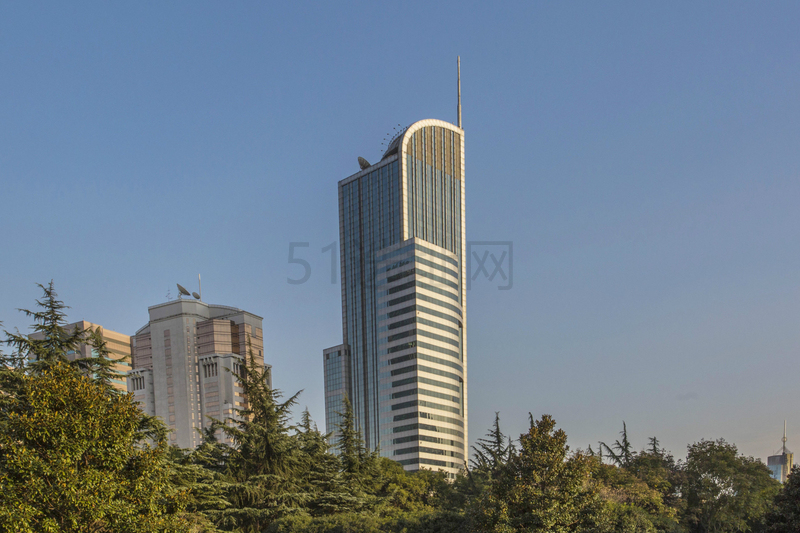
x=403 y=362
x=781 y=463
x=184 y=360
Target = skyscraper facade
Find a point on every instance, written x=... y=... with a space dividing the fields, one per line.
x=184 y=360
x=403 y=362
x=780 y=464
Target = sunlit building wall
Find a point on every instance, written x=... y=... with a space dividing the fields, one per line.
x=184 y=362
x=401 y=227
x=118 y=344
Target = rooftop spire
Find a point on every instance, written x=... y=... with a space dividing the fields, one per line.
x=459 y=91
x=784 y=437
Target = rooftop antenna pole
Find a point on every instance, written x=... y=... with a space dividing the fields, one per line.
x=459 y=91
x=199 y=287
x=784 y=437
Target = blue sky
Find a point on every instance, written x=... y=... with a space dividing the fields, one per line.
x=642 y=157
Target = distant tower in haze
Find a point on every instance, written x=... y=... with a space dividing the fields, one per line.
x=781 y=463
x=403 y=362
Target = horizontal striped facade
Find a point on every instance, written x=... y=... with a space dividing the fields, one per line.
x=421 y=378
x=401 y=228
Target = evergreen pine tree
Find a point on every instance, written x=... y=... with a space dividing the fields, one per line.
x=61 y=343
x=100 y=365
x=492 y=451
x=542 y=488
x=50 y=320
x=212 y=454
x=264 y=464
x=654 y=447
x=202 y=490
x=327 y=488
x=621 y=453
x=358 y=463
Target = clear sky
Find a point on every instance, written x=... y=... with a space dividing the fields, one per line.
x=642 y=157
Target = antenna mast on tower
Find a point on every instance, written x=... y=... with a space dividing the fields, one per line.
x=784 y=437
x=459 y=91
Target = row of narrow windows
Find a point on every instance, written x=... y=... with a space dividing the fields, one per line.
x=429 y=416
x=424 y=357
x=431 y=462
x=240 y=370
x=423 y=449
x=428 y=427
x=137 y=382
x=430 y=405
x=210 y=370
x=426 y=438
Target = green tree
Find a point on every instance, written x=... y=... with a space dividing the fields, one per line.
x=211 y=454
x=658 y=468
x=57 y=342
x=75 y=458
x=492 y=451
x=60 y=343
x=725 y=491
x=621 y=452
x=203 y=490
x=398 y=492
x=358 y=463
x=631 y=504
x=359 y=466
x=74 y=454
x=784 y=517
x=542 y=488
x=327 y=488
x=100 y=365
x=263 y=466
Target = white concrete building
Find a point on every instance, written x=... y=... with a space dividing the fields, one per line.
x=183 y=364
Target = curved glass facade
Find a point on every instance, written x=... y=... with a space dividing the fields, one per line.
x=403 y=362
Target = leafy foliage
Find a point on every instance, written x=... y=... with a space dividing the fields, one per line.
x=631 y=503
x=621 y=452
x=263 y=466
x=542 y=487
x=74 y=458
x=725 y=491
x=76 y=455
x=785 y=515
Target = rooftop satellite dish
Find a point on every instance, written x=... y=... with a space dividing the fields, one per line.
x=182 y=291
x=363 y=163
x=196 y=296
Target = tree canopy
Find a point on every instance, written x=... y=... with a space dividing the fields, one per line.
x=75 y=456
x=78 y=456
